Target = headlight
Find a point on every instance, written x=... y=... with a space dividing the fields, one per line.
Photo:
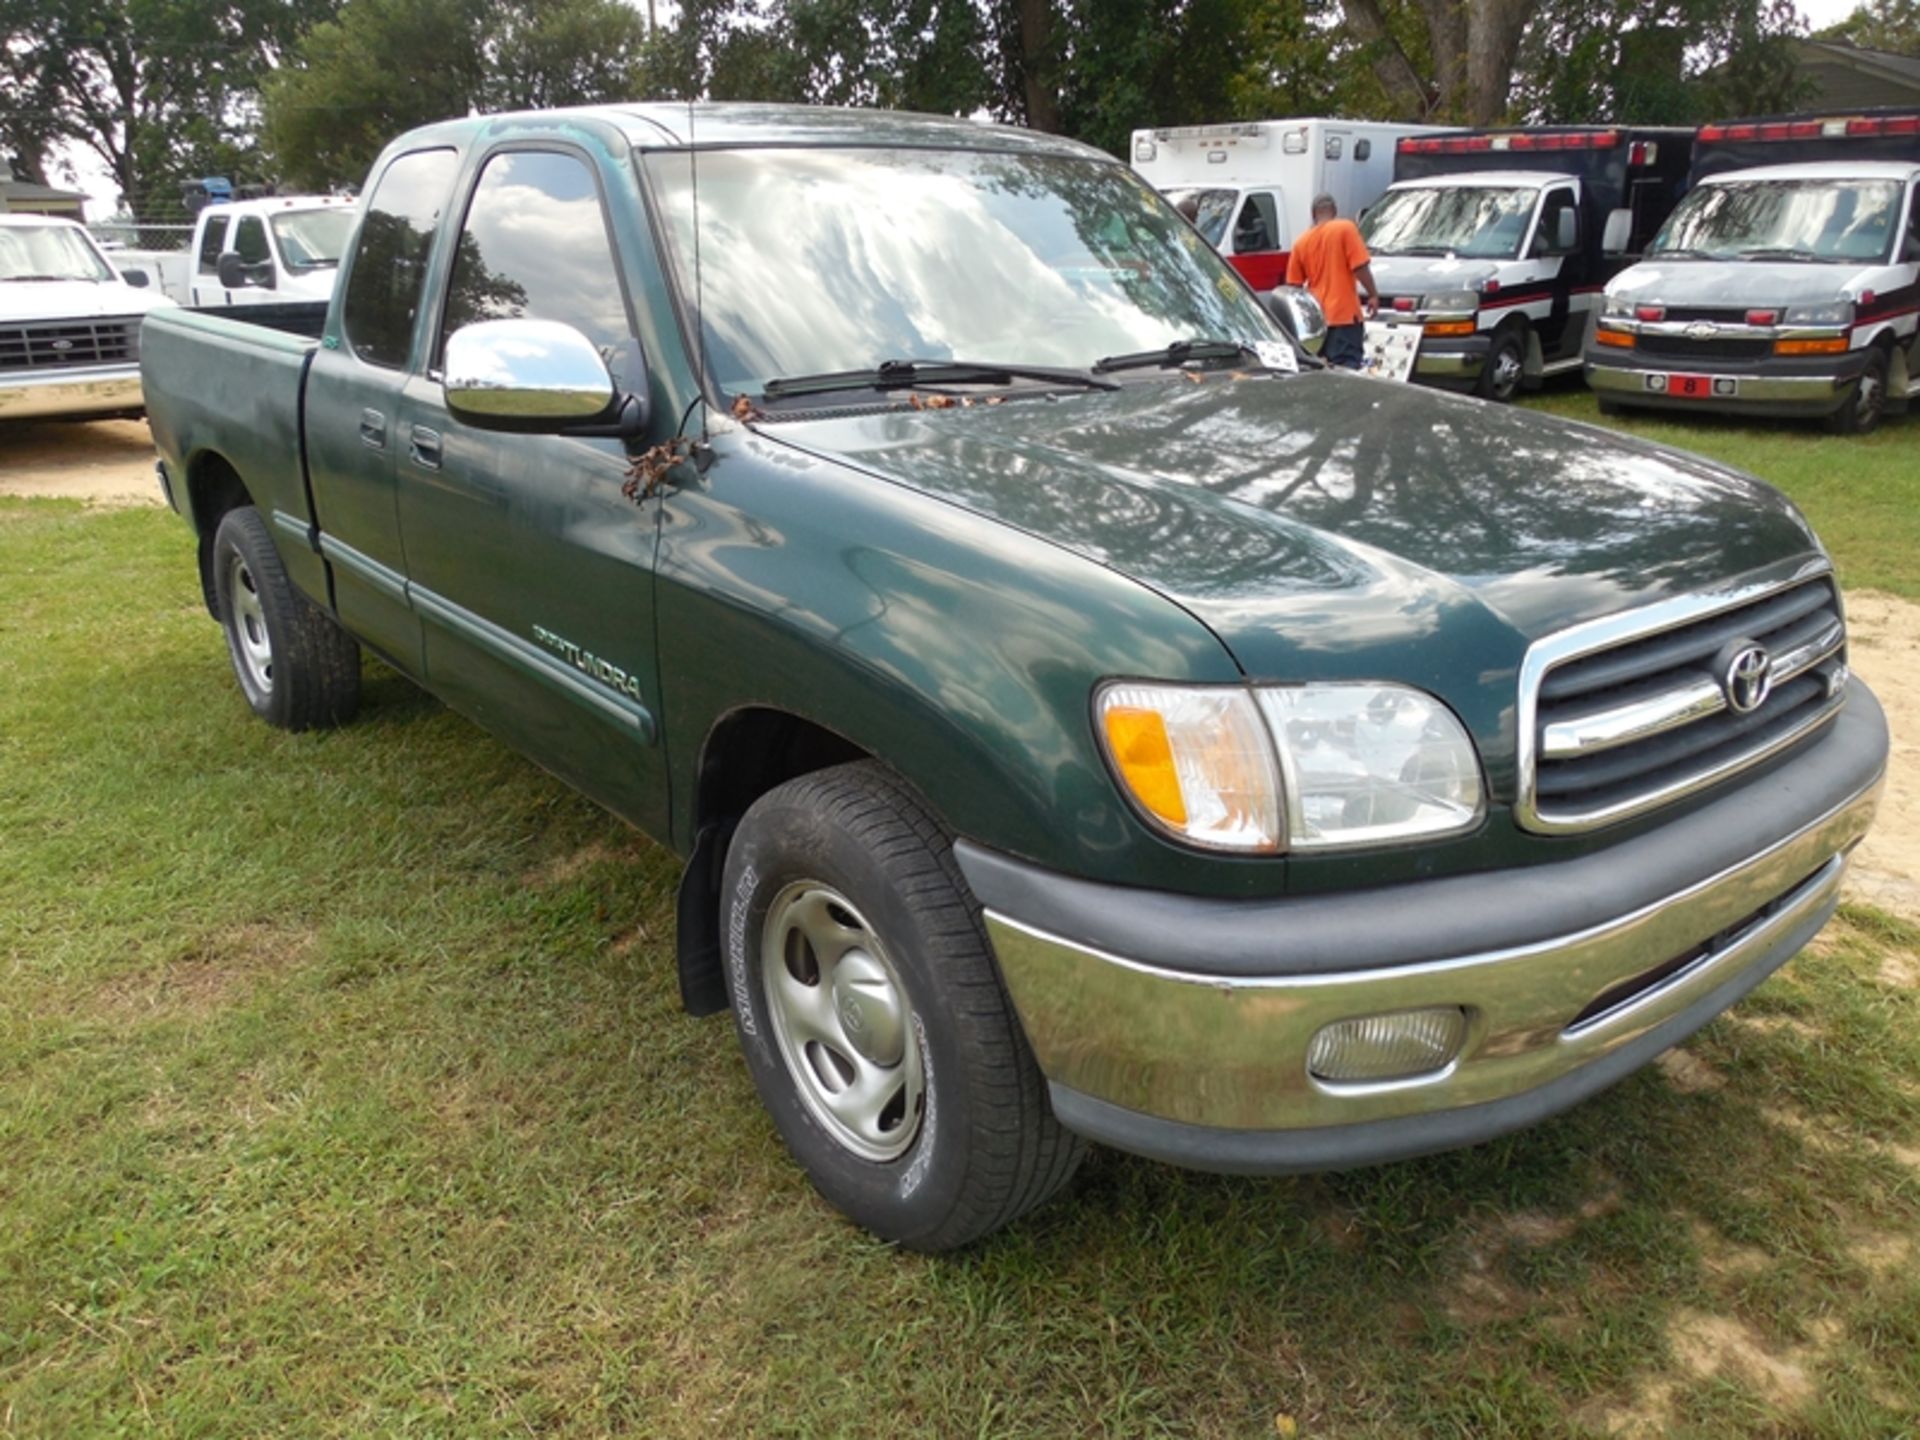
x=1618 y=305
x=1334 y=765
x=1197 y=761
x=1450 y=300
x=1371 y=764
x=1840 y=313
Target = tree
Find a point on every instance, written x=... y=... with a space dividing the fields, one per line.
x=1657 y=62
x=1467 y=66
x=356 y=81
x=160 y=90
x=1880 y=25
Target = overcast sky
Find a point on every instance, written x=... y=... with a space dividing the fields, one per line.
x=84 y=171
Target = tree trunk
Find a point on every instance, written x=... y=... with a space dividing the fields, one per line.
x=1038 y=65
x=1497 y=26
x=1391 y=66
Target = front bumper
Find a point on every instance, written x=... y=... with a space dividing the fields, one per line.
x=1178 y=1027
x=1766 y=386
x=26 y=396
x=1452 y=360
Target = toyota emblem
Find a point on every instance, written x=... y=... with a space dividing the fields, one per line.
x=1748 y=678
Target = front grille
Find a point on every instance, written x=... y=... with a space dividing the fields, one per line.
x=1621 y=729
x=1719 y=316
x=1679 y=347
x=70 y=344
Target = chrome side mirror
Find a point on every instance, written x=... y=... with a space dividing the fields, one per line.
x=1299 y=315
x=527 y=375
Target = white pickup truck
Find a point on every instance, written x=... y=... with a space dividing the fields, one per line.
x=69 y=324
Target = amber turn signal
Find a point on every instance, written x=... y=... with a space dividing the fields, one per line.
x=1618 y=339
x=1837 y=345
x=1448 y=327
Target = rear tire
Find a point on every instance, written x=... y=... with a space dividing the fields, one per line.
x=298 y=669
x=872 y=1016
x=1866 y=403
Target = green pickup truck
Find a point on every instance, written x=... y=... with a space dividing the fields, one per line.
x=1083 y=716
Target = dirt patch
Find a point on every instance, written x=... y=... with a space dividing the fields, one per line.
x=208 y=979
x=1900 y=970
x=1883 y=634
x=1707 y=1347
x=104 y=462
x=1688 y=1073
x=1721 y=1257
x=1880 y=1252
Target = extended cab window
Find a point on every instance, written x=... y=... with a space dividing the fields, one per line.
x=535 y=246
x=390 y=264
x=210 y=244
x=250 y=239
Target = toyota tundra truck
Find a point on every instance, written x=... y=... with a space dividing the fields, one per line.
x=1083 y=716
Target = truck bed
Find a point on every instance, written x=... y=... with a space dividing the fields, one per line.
x=230 y=380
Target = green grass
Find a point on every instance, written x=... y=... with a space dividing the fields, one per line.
x=1862 y=493
x=343 y=1091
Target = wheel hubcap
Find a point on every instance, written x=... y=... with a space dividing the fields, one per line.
x=251 y=648
x=1868 y=405
x=1506 y=371
x=841 y=1021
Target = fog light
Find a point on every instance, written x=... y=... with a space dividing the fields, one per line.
x=1388 y=1047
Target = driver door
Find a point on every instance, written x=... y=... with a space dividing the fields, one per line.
x=1565 y=269
x=531 y=571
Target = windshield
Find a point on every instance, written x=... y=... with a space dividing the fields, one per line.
x=313 y=239
x=836 y=259
x=49 y=252
x=1209 y=210
x=1784 y=220
x=1484 y=221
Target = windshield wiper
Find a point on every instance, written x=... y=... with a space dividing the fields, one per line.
x=1780 y=253
x=914 y=374
x=1178 y=353
x=54 y=278
x=1681 y=252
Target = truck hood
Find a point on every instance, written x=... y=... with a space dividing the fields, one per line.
x=1418 y=274
x=1314 y=522
x=1739 y=284
x=73 y=300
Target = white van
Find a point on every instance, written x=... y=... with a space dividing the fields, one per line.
x=1252 y=185
x=1778 y=289
x=69 y=324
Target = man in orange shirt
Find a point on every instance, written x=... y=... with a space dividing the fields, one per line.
x=1332 y=261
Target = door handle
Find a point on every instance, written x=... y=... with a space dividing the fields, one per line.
x=373 y=429
x=423 y=447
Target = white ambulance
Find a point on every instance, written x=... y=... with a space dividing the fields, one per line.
x=1251 y=185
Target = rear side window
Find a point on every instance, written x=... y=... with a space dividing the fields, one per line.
x=390 y=264
x=535 y=246
x=250 y=239
x=210 y=244
x=1258 y=227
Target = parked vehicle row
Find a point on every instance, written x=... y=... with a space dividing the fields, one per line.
x=1082 y=718
x=276 y=250
x=1785 y=282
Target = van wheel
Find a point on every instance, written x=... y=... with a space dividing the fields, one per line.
x=872 y=1016
x=1506 y=367
x=298 y=669
x=1866 y=403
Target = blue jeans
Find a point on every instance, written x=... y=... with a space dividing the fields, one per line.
x=1346 y=345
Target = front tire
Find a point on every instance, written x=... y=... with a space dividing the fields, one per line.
x=873 y=1019
x=1506 y=367
x=1866 y=403
x=298 y=669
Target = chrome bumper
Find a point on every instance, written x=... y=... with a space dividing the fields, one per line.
x=69 y=393
x=1450 y=364
x=1805 y=390
x=1210 y=1069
